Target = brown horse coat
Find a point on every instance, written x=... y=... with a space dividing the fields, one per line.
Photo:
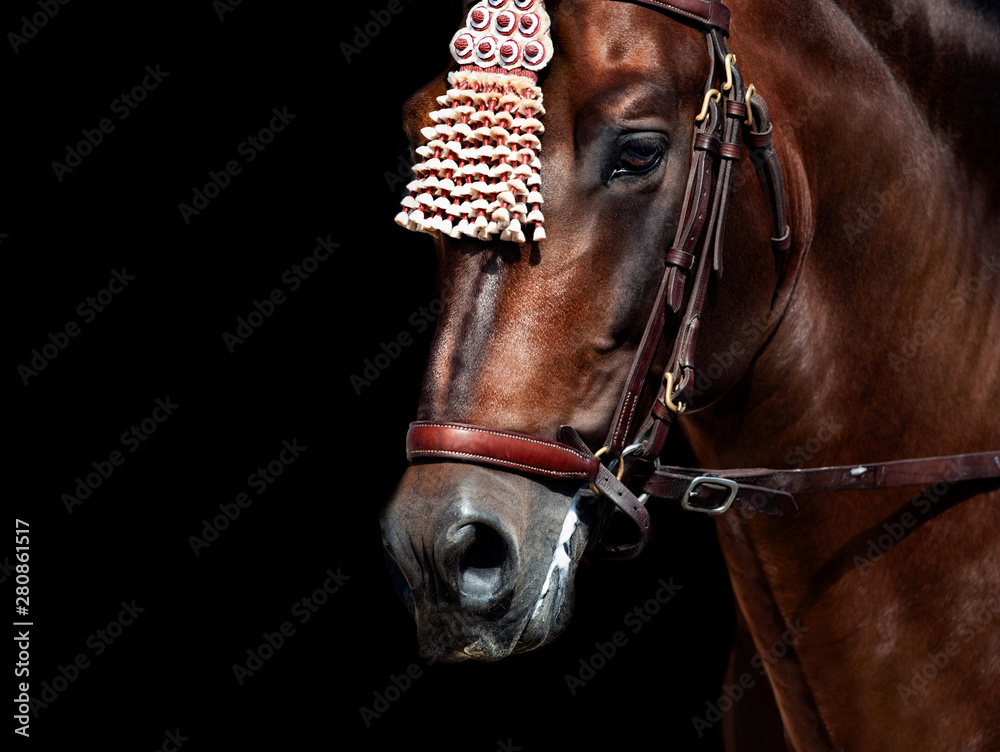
x=884 y=604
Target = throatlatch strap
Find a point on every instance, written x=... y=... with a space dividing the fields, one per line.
x=770 y=491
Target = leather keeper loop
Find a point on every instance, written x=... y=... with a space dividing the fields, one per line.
x=676 y=257
x=781 y=245
x=730 y=151
x=736 y=109
x=661 y=411
x=758 y=140
x=707 y=142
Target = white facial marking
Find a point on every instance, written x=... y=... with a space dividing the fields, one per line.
x=559 y=570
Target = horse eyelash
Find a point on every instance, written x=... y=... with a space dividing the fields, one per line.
x=622 y=146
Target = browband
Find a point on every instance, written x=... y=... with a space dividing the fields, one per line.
x=710 y=14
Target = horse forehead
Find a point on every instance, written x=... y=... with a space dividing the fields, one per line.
x=607 y=43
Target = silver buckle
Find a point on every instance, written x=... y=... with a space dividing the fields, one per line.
x=732 y=485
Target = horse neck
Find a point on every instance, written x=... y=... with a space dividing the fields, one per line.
x=890 y=327
x=887 y=349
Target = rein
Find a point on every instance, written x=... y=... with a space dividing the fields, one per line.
x=729 y=111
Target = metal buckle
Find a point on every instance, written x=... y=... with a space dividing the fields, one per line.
x=620 y=460
x=732 y=485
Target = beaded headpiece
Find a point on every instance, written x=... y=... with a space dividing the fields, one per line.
x=479 y=175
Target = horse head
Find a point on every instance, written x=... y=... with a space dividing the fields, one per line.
x=540 y=334
x=587 y=305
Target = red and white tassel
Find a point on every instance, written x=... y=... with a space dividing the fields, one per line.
x=479 y=175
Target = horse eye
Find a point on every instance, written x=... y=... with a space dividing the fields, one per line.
x=638 y=157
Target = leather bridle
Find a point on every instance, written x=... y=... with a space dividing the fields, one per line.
x=729 y=110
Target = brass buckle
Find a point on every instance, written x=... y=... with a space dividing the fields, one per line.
x=621 y=464
x=732 y=485
x=621 y=468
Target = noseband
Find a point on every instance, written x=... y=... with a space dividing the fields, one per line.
x=730 y=110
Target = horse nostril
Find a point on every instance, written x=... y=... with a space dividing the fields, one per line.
x=478 y=563
x=482 y=560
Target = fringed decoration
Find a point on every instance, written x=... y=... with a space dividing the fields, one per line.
x=479 y=175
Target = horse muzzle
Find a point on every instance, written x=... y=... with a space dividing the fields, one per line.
x=485 y=559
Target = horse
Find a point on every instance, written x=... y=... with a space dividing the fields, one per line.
x=863 y=337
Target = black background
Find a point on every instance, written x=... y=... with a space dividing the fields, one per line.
x=332 y=173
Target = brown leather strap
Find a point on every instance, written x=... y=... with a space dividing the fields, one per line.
x=700 y=196
x=726 y=123
x=707 y=13
x=569 y=458
x=913 y=472
x=706 y=495
x=771 y=490
x=609 y=485
x=764 y=490
x=491 y=446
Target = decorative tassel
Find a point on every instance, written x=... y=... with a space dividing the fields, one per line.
x=480 y=168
